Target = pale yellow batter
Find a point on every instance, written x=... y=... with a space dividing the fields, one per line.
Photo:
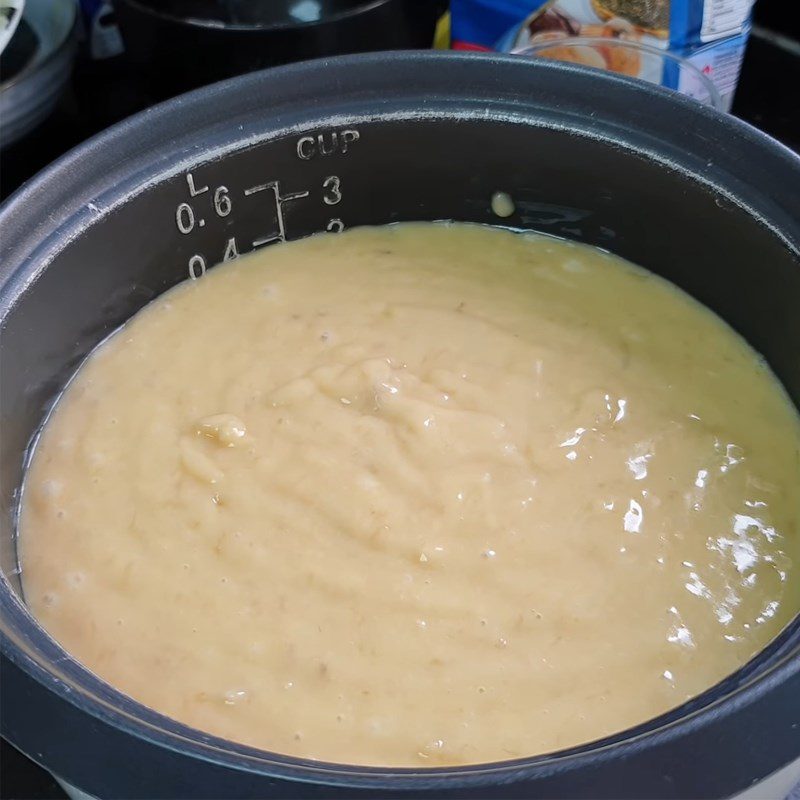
x=419 y=495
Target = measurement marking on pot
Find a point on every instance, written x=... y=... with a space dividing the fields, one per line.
x=184 y=213
x=188 y=219
x=280 y=199
x=332 y=185
x=197 y=267
x=193 y=190
x=222 y=201
x=328 y=143
x=184 y=218
x=231 y=250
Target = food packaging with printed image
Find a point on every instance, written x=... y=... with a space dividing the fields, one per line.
x=709 y=34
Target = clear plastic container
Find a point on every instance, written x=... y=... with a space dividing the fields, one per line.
x=630 y=58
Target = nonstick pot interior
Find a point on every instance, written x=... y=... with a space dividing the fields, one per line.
x=694 y=196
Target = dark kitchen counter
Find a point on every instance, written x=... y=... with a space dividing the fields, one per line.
x=766 y=98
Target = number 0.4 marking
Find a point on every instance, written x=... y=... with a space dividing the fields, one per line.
x=231 y=250
x=197 y=267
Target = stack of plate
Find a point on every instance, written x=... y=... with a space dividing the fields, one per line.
x=37 y=48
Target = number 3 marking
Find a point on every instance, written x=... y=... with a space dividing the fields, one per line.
x=333 y=193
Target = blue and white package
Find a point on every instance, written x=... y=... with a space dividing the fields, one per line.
x=710 y=34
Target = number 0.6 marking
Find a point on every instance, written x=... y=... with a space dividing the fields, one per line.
x=184 y=214
x=184 y=217
x=222 y=201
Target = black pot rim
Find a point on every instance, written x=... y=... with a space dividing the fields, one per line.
x=365 y=6
x=80 y=687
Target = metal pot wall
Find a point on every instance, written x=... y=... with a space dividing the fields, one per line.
x=693 y=195
x=177 y=45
